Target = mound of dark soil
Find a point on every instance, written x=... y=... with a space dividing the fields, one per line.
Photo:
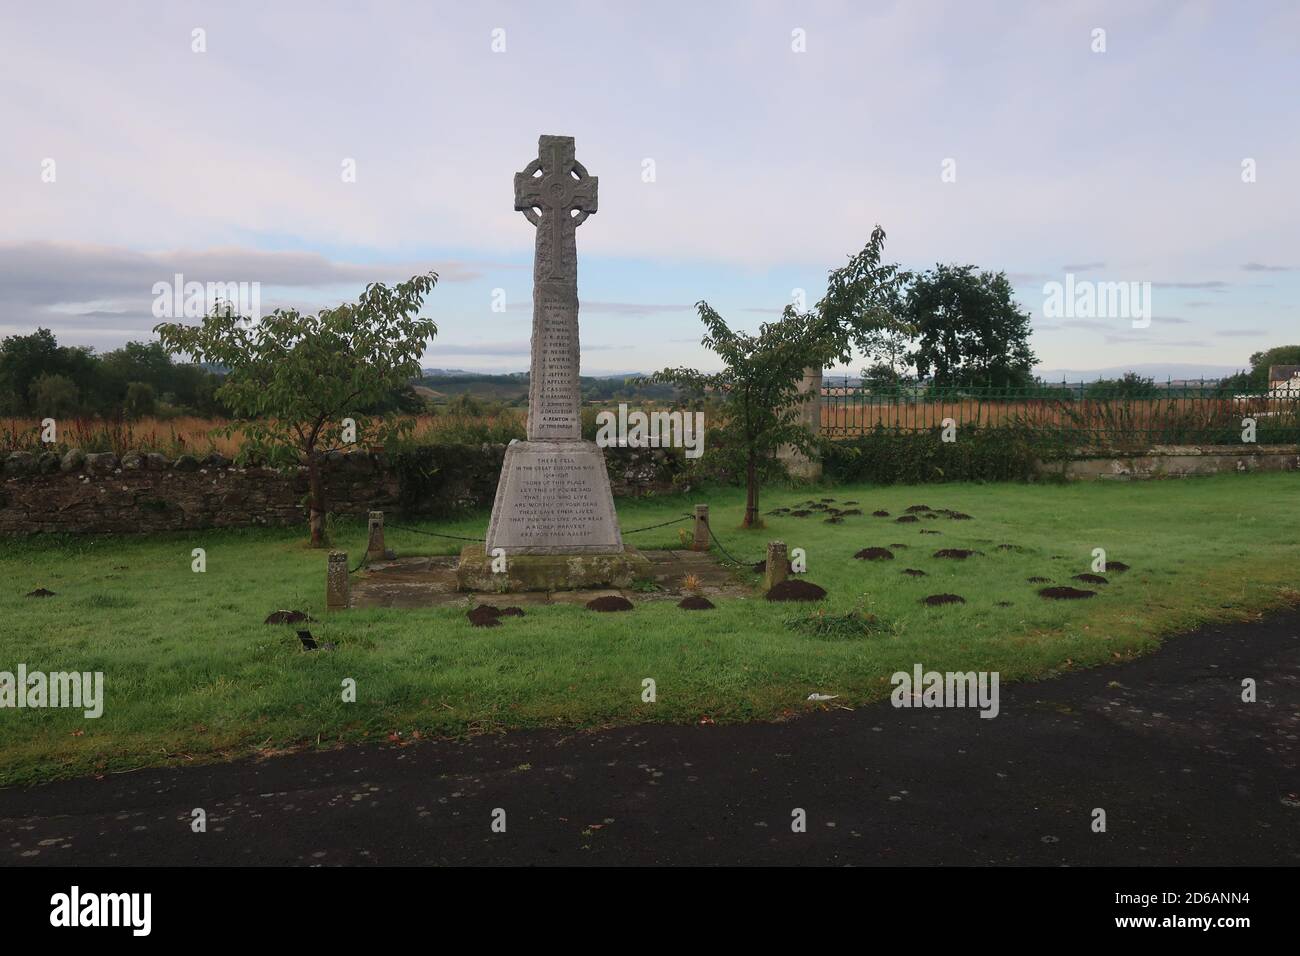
x=906 y=519
x=800 y=513
x=1088 y=578
x=916 y=509
x=875 y=554
x=880 y=514
x=850 y=502
x=827 y=500
x=958 y=516
x=40 y=592
x=611 y=602
x=914 y=572
x=934 y=600
x=484 y=616
x=286 y=617
x=1116 y=566
x=815 y=506
x=898 y=546
x=695 y=603
x=1036 y=579
x=851 y=511
x=928 y=531
x=796 y=590
x=957 y=554
x=1065 y=594
x=778 y=511
x=1009 y=547
x=512 y=612
x=833 y=519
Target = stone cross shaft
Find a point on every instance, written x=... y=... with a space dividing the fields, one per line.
x=555 y=194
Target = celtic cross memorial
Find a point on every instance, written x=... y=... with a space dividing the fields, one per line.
x=553 y=497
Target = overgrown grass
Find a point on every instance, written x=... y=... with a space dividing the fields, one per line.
x=192 y=674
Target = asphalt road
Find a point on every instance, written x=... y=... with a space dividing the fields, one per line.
x=1186 y=772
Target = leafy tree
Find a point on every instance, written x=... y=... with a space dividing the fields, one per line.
x=102 y=381
x=140 y=400
x=889 y=347
x=25 y=358
x=758 y=387
x=970 y=330
x=292 y=379
x=54 y=395
x=1256 y=380
x=1130 y=386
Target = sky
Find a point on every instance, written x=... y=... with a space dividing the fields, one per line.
x=743 y=150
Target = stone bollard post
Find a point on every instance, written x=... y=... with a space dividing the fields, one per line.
x=375 y=547
x=701 y=541
x=778 y=565
x=338 y=591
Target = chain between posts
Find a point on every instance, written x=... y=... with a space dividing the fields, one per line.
x=730 y=557
x=663 y=525
x=434 y=534
x=652 y=527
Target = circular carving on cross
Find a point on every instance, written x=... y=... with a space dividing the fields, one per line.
x=555 y=184
x=557 y=191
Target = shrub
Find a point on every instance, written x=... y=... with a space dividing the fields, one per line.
x=890 y=456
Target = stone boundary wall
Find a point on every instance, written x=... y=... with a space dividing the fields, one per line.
x=143 y=493
x=1179 y=461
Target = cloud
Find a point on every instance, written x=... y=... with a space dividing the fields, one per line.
x=1215 y=284
x=515 y=348
x=1119 y=339
x=1260 y=267
x=727 y=212
x=106 y=292
x=1083 y=267
x=49 y=272
x=631 y=308
x=610 y=308
x=1240 y=333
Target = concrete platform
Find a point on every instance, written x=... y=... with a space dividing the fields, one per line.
x=432 y=582
x=550 y=572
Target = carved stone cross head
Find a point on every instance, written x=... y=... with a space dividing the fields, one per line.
x=556 y=184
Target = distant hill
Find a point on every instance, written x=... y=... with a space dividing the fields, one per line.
x=512 y=388
x=1160 y=371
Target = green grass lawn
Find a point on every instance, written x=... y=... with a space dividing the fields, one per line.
x=192 y=673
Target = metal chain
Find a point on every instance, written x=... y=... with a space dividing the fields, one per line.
x=731 y=557
x=434 y=534
x=664 y=525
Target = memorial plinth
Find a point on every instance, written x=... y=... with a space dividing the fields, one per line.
x=553 y=517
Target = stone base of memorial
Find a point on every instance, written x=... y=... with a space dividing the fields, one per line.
x=550 y=572
x=554 y=521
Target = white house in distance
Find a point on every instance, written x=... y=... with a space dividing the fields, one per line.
x=1284 y=381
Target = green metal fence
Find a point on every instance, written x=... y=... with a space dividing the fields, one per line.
x=1083 y=414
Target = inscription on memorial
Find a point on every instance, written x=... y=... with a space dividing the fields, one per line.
x=554 y=393
x=556 y=501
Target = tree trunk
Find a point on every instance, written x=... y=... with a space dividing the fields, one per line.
x=317 y=486
x=751 y=493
